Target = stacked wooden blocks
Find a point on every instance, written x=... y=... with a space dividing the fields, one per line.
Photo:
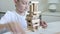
x=33 y=16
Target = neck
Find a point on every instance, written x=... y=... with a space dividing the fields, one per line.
x=20 y=13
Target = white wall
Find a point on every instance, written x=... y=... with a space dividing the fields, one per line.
x=6 y=5
x=9 y=5
x=58 y=6
x=53 y=1
x=50 y=18
x=42 y=5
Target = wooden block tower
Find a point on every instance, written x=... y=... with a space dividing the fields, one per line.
x=33 y=16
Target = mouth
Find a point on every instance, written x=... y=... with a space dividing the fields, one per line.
x=25 y=9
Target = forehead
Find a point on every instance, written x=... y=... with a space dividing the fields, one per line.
x=24 y=0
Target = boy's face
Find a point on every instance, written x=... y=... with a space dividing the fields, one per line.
x=22 y=5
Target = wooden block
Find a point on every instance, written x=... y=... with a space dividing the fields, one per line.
x=28 y=18
x=34 y=2
x=36 y=21
x=30 y=27
x=31 y=8
x=30 y=24
x=29 y=21
x=35 y=17
x=30 y=15
x=35 y=28
x=37 y=12
x=34 y=14
x=35 y=6
x=35 y=25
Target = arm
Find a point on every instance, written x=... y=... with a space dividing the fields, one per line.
x=1 y=26
x=15 y=28
x=42 y=23
x=12 y=26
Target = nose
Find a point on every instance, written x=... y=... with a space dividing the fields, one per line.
x=27 y=7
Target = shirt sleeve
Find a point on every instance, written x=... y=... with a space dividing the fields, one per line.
x=6 y=18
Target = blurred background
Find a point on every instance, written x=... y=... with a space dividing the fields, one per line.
x=50 y=11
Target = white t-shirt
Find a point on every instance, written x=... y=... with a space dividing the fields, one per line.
x=14 y=16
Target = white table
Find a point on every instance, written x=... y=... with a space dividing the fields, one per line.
x=52 y=28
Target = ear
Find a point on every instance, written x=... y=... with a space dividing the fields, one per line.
x=15 y=1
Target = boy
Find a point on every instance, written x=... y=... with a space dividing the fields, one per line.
x=15 y=21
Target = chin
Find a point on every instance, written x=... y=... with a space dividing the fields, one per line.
x=22 y=11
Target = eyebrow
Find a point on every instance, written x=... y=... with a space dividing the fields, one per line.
x=25 y=2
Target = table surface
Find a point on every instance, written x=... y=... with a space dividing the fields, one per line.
x=53 y=28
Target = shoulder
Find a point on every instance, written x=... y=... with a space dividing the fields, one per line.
x=9 y=14
x=7 y=17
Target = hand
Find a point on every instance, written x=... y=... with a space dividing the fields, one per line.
x=2 y=26
x=15 y=28
x=43 y=24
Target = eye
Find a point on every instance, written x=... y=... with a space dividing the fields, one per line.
x=25 y=3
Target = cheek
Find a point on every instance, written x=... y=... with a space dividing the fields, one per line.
x=27 y=7
x=21 y=7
